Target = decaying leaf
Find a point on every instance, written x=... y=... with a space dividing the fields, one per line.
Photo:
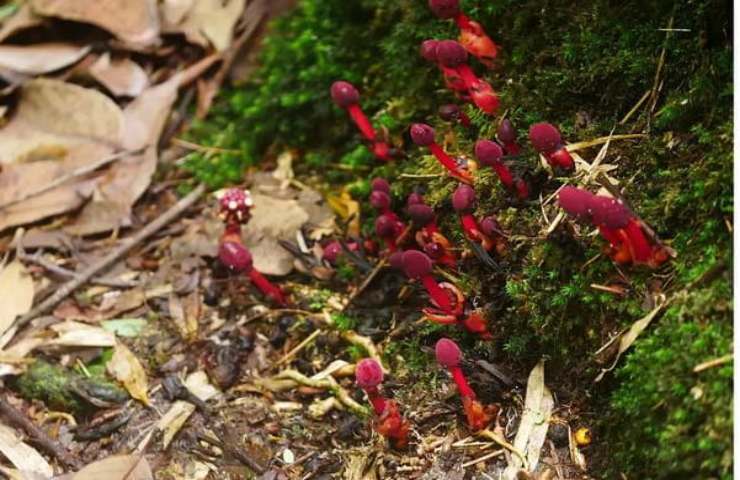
x=40 y=58
x=134 y=21
x=173 y=420
x=75 y=334
x=21 y=455
x=122 y=77
x=198 y=384
x=16 y=293
x=628 y=338
x=117 y=467
x=206 y=21
x=127 y=369
x=348 y=209
x=23 y=18
x=126 y=181
x=273 y=219
x=534 y=423
x=185 y=312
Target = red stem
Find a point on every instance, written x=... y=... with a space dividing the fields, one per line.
x=377 y=401
x=470 y=226
x=611 y=236
x=362 y=122
x=468 y=76
x=462 y=21
x=267 y=288
x=461 y=382
x=448 y=162
x=504 y=174
x=437 y=294
x=640 y=246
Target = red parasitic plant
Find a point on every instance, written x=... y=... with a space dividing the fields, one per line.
x=472 y=35
x=491 y=154
x=463 y=201
x=428 y=236
x=507 y=136
x=333 y=251
x=235 y=207
x=452 y=55
x=453 y=81
x=617 y=224
x=237 y=258
x=423 y=136
x=418 y=266
x=346 y=96
x=388 y=420
x=389 y=229
x=452 y=113
x=546 y=139
x=449 y=356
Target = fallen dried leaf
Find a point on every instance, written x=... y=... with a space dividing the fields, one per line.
x=41 y=57
x=206 y=21
x=75 y=334
x=16 y=293
x=22 y=19
x=530 y=436
x=198 y=384
x=133 y=21
x=22 y=456
x=173 y=420
x=117 y=467
x=122 y=77
x=127 y=369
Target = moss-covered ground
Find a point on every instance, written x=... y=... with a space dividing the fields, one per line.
x=583 y=67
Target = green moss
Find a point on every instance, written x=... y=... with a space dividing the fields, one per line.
x=583 y=67
x=50 y=384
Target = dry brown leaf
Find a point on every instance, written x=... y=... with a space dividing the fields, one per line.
x=173 y=11
x=22 y=456
x=16 y=293
x=129 y=178
x=273 y=219
x=122 y=77
x=41 y=57
x=534 y=423
x=117 y=467
x=134 y=21
x=206 y=21
x=127 y=369
x=22 y=19
x=198 y=384
x=75 y=334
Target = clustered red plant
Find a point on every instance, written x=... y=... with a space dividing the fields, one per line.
x=472 y=35
x=423 y=136
x=235 y=205
x=449 y=356
x=628 y=242
x=451 y=55
x=452 y=113
x=463 y=201
x=428 y=236
x=388 y=420
x=448 y=301
x=491 y=155
x=546 y=139
x=388 y=226
x=346 y=96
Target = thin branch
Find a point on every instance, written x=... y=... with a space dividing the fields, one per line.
x=85 y=276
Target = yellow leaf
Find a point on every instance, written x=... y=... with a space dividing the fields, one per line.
x=127 y=369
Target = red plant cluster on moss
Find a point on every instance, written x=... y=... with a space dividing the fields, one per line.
x=423 y=136
x=346 y=96
x=546 y=139
x=449 y=302
x=388 y=226
x=452 y=56
x=617 y=224
x=428 y=236
x=449 y=356
x=388 y=420
x=491 y=155
x=472 y=35
x=235 y=205
x=463 y=201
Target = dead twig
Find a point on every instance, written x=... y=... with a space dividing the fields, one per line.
x=64 y=272
x=39 y=437
x=105 y=262
x=713 y=363
x=365 y=283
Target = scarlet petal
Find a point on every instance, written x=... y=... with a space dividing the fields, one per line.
x=476 y=414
